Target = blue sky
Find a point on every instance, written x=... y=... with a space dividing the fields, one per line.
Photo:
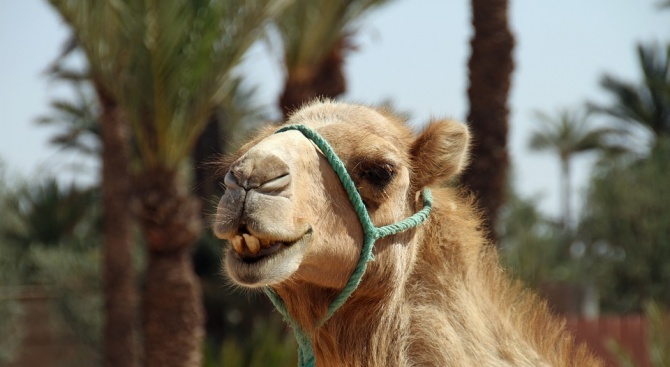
x=413 y=53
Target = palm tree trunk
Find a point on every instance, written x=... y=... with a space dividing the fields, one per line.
x=173 y=310
x=565 y=193
x=120 y=334
x=490 y=68
x=174 y=315
x=327 y=81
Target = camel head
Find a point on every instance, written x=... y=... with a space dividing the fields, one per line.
x=287 y=218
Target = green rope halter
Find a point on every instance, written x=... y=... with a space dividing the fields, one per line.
x=371 y=234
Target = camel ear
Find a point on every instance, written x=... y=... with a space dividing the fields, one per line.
x=439 y=153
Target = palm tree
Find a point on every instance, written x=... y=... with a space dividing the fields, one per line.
x=491 y=67
x=77 y=121
x=315 y=35
x=643 y=106
x=98 y=127
x=163 y=66
x=48 y=213
x=567 y=134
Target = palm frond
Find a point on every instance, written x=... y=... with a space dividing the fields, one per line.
x=77 y=123
x=309 y=29
x=165 y=63
x=569 y=132
x=48 y=212
x=645 y=103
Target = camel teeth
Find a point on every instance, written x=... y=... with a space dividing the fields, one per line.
x=265 y=243
x=252 y=243
x=238 y=244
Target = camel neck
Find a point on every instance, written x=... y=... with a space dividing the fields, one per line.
x=366 y=330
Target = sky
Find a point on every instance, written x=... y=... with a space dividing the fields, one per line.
x=412 y=53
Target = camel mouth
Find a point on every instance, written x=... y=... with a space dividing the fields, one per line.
x=251 y=249
x=254 y=262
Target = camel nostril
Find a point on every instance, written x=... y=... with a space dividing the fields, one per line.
x=277 y=183
x=230 y=181
x=259 y=170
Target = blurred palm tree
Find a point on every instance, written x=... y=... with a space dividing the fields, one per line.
x=37 y=218
x=77 y=122
x=644 y=107
x=96 y=126
x=11 y=334
x=162 y=66
x=626 y=215
x=46 y=214
x=315 y=36
x=567 y=134
x=528 y=242
x=78 y=127
x=491 y=67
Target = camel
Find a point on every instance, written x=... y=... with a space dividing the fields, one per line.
x=435 y=295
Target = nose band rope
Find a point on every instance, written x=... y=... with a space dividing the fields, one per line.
x=371 y=234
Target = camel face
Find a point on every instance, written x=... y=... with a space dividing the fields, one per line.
x=285 y=214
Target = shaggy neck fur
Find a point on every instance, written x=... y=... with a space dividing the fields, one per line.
x=367 y=330
x=460 y=309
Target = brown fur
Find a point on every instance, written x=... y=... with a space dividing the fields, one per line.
x=435 y=295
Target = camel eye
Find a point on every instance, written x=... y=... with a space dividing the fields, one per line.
x=379 y=174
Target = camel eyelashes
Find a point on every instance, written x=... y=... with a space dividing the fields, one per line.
x=379 y=174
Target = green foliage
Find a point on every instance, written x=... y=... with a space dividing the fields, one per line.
x=10 y=310
x=46 y=235
x=623 y=240
x=49 y=236
x=531 y=246
x=659 y=334
x=658 y=338
x=46 y=213
x=627 y=216
x=270 y=347
x=642 y=107
x=10 y=314
x=74 y=277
